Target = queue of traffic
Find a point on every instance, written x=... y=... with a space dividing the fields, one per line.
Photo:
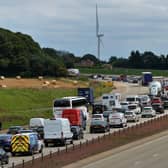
x=71 y=117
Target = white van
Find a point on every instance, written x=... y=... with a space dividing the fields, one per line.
x=117 y=119
x=37 y=124
x=57 y=131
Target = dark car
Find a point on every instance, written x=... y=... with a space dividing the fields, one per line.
x=4 y=158
x=5 y=142
x=15 y=129
x=158 y=107
x=99 y=126
x=98 y=108
x=77 y=132
x=165 y=103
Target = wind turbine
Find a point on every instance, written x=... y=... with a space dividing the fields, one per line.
x=98 y=35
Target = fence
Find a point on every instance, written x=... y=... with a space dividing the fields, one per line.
x=108 y=141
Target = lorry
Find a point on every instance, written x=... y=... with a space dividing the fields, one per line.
x=77 y=121
x=146 y=78
x=87 y=93
x=57 y=131
x=111 y=100
x=155 y=88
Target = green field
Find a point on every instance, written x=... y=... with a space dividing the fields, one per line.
x=118 y=71
x=17 y=106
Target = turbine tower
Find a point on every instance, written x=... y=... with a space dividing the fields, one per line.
x=98 y=35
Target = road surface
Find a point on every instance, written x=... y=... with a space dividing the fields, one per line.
x=151 y=154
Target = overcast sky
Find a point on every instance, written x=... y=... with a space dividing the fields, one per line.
x=70 y=25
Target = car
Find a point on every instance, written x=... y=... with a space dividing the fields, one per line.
x=134 y=107
x=4 y=157
x=98 y=117
x=156 y=100
x=158 y=107
x=144 y=100
x=26 y=131
x=77 y=132
x=124 y=105
x=148 y=111
x=99 y=126
x=15 y=129
x=132 y=116
x=5 y=142
x=117 y=119
x=106 y=114
x=165 y=103
x=98 y=108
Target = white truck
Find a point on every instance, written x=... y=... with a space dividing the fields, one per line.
x=57 y=131
x=111 y=100
x=155 y=88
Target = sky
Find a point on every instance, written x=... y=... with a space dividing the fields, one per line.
x=70 y=25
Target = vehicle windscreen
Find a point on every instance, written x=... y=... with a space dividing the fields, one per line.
x=62 y=103
x=128 y=113
x=130 y=99
x=132 y=107
x=147 y=109
x=96 y=116
x=97 y=122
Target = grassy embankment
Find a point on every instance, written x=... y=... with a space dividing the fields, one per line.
x=118 y=71
x=17 y=106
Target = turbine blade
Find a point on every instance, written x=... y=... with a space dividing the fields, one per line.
x=97 y=22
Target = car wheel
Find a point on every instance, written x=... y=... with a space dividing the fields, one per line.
x=7 y=161
x=41 y=149
x=46 y=144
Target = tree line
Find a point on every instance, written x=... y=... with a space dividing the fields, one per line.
x=21 y=55
x=146 y=60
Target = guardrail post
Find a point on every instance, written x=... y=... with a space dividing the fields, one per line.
x=50 y=154
x=32 y=159
x=66 y=148
x=80 y=144
x=23 y=163
x=42 y=156
x=13 y=165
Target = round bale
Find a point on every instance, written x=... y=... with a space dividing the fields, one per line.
x=18 y=77
x=40 y=77
x=54 y=82
x=2 y=77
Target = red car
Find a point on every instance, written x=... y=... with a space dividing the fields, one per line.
x=156 y=100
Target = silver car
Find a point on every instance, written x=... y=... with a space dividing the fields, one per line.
x=117 y=119
x=148 y=111
x=132 y=116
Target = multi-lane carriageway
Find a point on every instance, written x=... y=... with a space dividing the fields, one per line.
x=124 y=89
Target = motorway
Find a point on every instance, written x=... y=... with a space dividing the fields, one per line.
x=150 y=154
x=125 y=90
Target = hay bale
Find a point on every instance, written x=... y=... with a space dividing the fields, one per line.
x=3 y=86
x=18 y=77
x=75 y=82
x=46 y=82
x=54 y=82
x=2 y=77
x=40 y=77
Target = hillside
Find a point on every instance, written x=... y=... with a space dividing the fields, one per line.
x=21 y=55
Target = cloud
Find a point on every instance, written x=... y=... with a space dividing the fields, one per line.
x=70 y=24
